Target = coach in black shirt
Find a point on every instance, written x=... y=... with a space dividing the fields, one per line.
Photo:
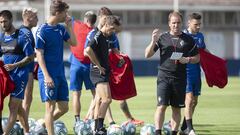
x=176 y=49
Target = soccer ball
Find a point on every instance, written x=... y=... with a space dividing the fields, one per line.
x=60 y=128
x=167 y=128
x=16 y=130
x=148 y=129
x=4 y=122
x=31 y=123
x=35 y=127
x=115 y=129
x=91 y=122
x=82 y=128
x=129 y=128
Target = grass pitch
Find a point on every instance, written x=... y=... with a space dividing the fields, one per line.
x=218 y=111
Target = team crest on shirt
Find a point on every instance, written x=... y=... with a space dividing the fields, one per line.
x=181 y=42
x=199 y=40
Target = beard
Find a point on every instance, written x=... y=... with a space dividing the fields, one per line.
x=7 y=29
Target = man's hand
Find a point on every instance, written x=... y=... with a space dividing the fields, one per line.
x=184 y=60
x=49 y=82
x=155 y=35
x=9 y=67
x=68 y=21
x=102 y=70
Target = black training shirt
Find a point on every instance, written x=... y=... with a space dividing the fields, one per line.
x=100 y=47
x=167 y=44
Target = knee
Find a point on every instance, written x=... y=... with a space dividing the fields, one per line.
x=107 y=101
x=195 y=102
x=161 y=108
x=189 y=101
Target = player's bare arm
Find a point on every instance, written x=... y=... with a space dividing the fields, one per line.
x=72 y=41
x=149 y=52
x=89 y=53
x=47 y=78
x=21 y=63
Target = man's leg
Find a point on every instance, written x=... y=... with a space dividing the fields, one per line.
x=109 y=116
x=14 y=104
x=97 y=102
x=27 y=101
x=189 y=101
x=90 y=113
x=76 y=104
x=23 y=118
x=104 y=93
x=49 y=110
x=61 y=109
x=176 y=118
x=125 y=109
x=159 y=118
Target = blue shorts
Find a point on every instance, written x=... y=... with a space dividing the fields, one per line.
x=194 y=86
x=20 y=85
x=80 y=75
x=58 y=93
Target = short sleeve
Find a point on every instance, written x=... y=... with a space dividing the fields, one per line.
x=203 y=41
x=89 y=37
x=40 y=38
x=66 y=35
x=193 y=50
x=25 y=43
x=94 y=42
x=113 y=41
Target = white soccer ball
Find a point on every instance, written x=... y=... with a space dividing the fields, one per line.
x=91 y=122
x=36 y=128
x=4 y=122
x=147 y=129
x=115 y=129
x=82 y=128
x=129 y=128
x=31 y=123
x=60 y=128
x=16 y=130
x=167 y=128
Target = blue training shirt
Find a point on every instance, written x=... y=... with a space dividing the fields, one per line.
x=193 y=70
x=51 y=39
x=9 y=45
x=29 y=34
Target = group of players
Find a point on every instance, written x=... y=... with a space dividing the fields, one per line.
x=178 y=83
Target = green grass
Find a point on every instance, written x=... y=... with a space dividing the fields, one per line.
x=218 y=111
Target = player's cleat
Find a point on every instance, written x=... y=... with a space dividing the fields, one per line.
x=101 y=131
x=192 y=132
x=183 y=132
x=137 y=122
x=187 y=132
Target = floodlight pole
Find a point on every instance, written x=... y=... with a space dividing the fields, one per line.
x=176 y=5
